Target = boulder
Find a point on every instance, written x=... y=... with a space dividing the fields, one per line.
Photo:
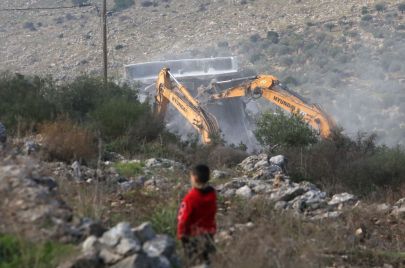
x=219 y=174
x=160 y=245
x=398 y=209
x=128 y=246
x=342 y=199
x=113 y=236
x=244 y=192
x=144 y=232
x=30 y=203
x=109 y=257
x=134 y=261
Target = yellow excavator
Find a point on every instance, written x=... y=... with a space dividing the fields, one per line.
x=270 y=88
x=179 y=96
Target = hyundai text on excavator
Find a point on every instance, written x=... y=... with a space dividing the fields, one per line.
x=179 y=96
x=270 y=88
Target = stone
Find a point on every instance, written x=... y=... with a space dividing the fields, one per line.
x=90 y=244
x=160 y=262
x=160 y=245
x=279 y=160
x=77 y=173
x=398 y=209
x=229 y=193
x=112 y=237
x=134 y=261
x=280 y=205
x=128 y=246
x=288 y=194
x=89 y=227
x=144 y=232
x=244 y=192
x=219 y=174
x=109 y=257
x=86 y=260
x=30 y=147
x=382 y=207
x=342 y=199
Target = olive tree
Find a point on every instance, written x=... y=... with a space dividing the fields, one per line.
x=284 y=129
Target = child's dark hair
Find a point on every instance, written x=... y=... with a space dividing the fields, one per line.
x=202 y=172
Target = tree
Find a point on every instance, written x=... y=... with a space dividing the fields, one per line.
x=329 y=26
x=123 y=4
x=288 y=130
x=80 y=2
x=401 y=7
x=380 y=7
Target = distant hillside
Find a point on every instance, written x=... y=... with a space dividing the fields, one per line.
x=345 y=55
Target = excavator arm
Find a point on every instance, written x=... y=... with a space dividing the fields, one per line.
x=269 y=87
x=204 y=122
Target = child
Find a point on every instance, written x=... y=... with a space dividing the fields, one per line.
x=196 y=219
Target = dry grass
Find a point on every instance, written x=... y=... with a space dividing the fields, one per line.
x=284 y=240
x=67 y=141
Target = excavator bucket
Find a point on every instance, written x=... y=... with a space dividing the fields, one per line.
x=198 y=68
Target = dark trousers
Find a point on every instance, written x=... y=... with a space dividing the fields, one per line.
x=198 y=249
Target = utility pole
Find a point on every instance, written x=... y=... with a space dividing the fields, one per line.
x=105 y=61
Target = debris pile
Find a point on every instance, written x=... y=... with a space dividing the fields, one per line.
x=123 y=246
x=30 y=203
x=266 y=179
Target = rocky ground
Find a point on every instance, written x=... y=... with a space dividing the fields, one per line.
x=76 y=204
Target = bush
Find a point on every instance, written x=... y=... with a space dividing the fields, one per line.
x=29 y=26
x=364 y=10
x=129 y=169
x=273 y=36
x=329 y=26
x=401 y=7
x=380 y=7
x=25 y=102
x=286 y=130
x=123 y=4
x=342 y=164
x=116 y=116
x=367 y=17
x=66 y=141
x=80 y=2
x=255 y=38
x=17 y=253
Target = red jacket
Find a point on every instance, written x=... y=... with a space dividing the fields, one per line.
x=197 y=213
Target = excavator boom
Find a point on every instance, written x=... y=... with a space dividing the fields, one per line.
x=204 y=122
x=269 y=88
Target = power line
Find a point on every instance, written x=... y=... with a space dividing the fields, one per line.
x=44 y=8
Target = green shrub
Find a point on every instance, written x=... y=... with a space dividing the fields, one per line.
x=123 y=4
x=287 y=130
x=130 y=169
x=163 y=219
x=25 y=101
x=342 y=164
x=273 y=36
x=116 y=116
x=80 y=2
x=18 y=253
x=255 y=38
x=367 y=17
x=364 y=10
x=401 y=7
x=380 y=7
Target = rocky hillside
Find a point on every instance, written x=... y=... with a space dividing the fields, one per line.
x=76 y=205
